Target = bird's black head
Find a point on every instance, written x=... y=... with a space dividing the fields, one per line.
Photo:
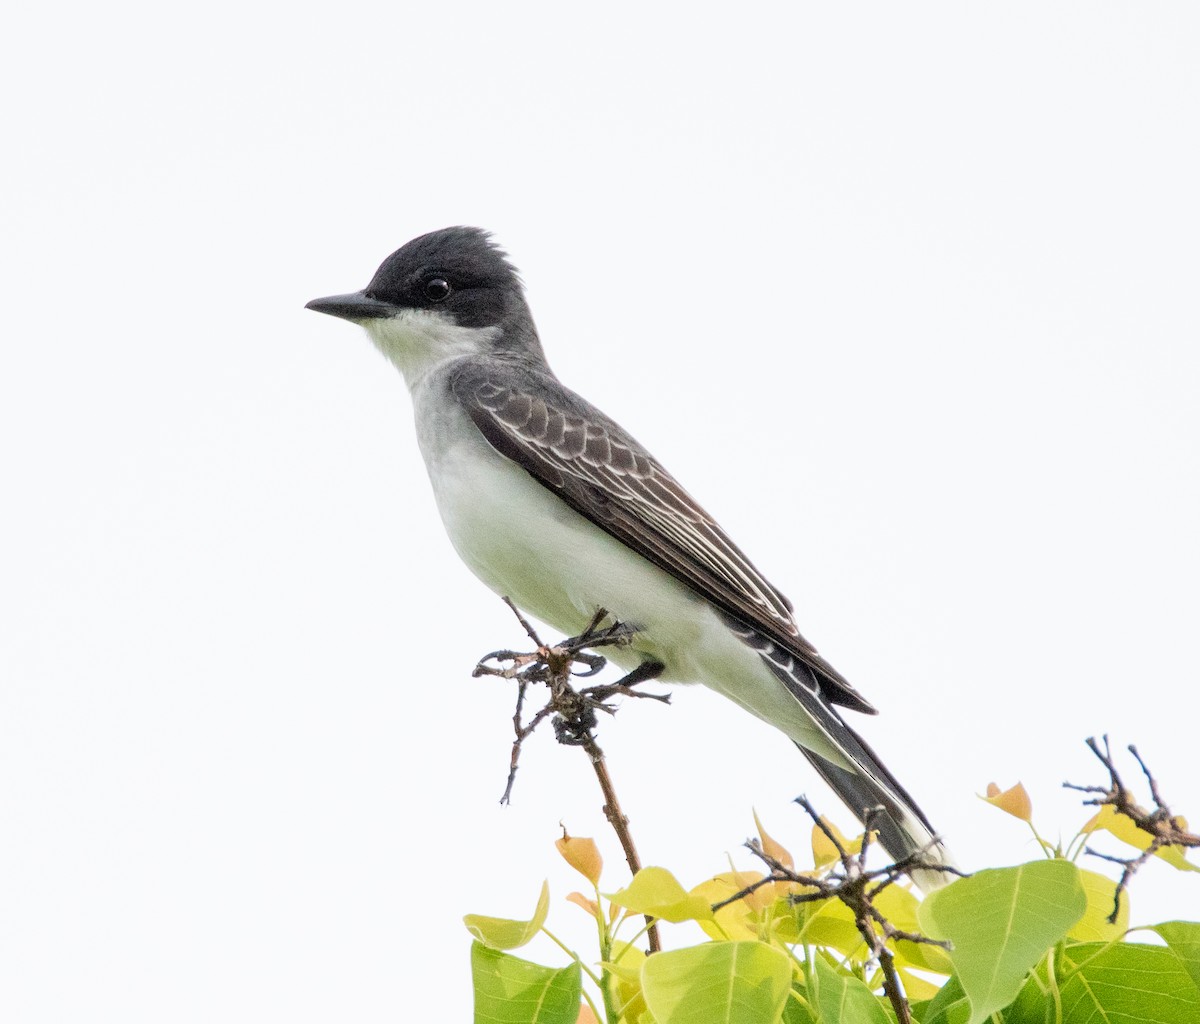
x=449 y=293
x=457 y=271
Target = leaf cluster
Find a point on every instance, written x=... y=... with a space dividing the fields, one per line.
x=1046 y=942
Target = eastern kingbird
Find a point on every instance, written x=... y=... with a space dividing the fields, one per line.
x=556 y=506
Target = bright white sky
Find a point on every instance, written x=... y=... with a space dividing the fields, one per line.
x=906 y=295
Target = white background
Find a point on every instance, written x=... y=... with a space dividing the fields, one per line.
x=906 y=295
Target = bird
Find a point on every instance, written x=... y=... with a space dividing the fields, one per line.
x=557 y=507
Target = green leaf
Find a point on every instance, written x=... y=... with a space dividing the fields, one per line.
x=656 y=892
x=829 y=923
x=844 y=999
x=501 y=933
x=1001 y=923
x=718 y=983
x=949 y=1006
x=509 y=990
x=1032 y=1005
x=1183 y=939
x=796 y=1012
x=1127 y=983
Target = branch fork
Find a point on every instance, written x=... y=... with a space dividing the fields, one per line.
x=1163 y=827
x=856 y=886
x=575 y=711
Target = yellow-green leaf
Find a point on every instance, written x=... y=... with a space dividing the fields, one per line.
x=772 y=848
x=1094 y=926
x=1173 y=855
x=501 y=933
x=916 y=987
x=1124 y=829
x=737 y=920
x=824 y=850
x=656 y=892
x=625 y=979
x=900 y=907
x=829 y=923
x=718 y=983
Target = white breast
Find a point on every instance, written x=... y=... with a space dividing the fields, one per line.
x=526 y=544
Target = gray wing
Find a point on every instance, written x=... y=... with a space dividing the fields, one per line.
x=598 y=469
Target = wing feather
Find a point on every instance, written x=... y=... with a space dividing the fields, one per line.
x=604 y=474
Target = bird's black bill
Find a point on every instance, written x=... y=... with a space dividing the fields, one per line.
x=355 y=306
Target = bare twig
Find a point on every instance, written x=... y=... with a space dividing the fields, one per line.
x=856 y=887
x=574 y=711
x=1163 y=827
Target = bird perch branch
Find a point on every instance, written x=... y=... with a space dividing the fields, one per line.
x=573 y=712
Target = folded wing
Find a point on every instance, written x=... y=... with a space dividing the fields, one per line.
x=598 y=469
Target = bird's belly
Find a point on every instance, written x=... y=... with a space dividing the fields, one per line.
x=524 y=543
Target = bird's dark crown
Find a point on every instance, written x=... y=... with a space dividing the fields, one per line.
x=482 y=282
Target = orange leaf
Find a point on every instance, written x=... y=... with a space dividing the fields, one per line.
x=585 y=1015
x=582 y=855
x=580 y=900
x=1014 y=801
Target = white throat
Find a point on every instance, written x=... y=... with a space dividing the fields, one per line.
x=418 y=340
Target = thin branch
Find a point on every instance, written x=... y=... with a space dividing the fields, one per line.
x=1163 y=827
x=573 y=712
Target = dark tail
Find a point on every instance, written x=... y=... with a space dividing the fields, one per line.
x=854 y=772
x=902 y=826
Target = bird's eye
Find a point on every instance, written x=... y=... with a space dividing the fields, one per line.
x=437 y=289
